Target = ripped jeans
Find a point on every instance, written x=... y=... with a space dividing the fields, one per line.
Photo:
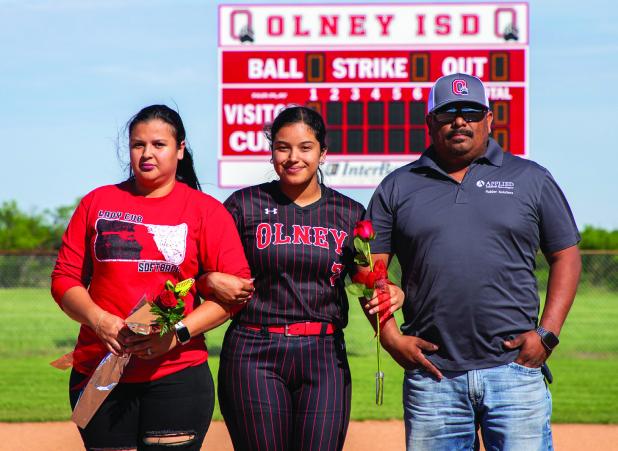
x=171 y=413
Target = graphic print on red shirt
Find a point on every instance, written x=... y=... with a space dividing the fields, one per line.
x=118 y=240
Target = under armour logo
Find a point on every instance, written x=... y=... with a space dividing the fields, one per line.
x=269 y=211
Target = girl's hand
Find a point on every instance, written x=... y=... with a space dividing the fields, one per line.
x=226 y=287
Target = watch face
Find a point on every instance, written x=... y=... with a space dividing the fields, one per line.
x=182 y=333
x=550 y=340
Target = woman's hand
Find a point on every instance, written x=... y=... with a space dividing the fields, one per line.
x=109 y=329
x=150 y=346
x=226 y=287
x=386 y=300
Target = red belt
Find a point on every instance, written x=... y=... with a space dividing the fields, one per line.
x=296 y=329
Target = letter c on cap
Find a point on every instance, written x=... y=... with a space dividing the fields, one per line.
x=460 y=87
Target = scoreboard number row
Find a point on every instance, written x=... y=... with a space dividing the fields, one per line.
x=375 y=94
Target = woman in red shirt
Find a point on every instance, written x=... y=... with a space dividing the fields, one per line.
x=125 y=241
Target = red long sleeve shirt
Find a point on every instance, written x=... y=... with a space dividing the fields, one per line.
x=122 y=246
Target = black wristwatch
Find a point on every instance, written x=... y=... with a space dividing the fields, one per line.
x=549 y=339
x=182 y=333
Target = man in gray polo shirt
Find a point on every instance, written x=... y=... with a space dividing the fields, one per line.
x=465 y=221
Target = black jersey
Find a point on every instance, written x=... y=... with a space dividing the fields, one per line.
x=299 y=256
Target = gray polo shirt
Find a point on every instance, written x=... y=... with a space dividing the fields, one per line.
x=467 y=250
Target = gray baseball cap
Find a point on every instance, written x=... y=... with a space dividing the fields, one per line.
x=457 y=88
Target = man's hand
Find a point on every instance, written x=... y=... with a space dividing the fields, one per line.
x=532 y=353
x=387 y=302
x=408 y=352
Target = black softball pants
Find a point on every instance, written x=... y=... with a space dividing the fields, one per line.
x=284 y=393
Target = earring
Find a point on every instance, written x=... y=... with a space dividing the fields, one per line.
x=321 y=162
x=271 y=161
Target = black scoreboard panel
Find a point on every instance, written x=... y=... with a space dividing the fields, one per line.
x=389 y=127
x=500 y=109
x=374 y=127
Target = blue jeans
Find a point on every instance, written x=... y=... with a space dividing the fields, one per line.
x=510 y=404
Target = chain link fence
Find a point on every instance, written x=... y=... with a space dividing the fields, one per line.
x=594 y=313
x=599 y=271
x=33 y=269
x=26 y=269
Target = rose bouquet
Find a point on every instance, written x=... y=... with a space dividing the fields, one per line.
x=367 y=284
x=147 y=317
x=169 y=307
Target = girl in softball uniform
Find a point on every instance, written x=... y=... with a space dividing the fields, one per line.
x=284 y=379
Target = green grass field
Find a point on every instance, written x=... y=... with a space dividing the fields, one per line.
x=35 y=332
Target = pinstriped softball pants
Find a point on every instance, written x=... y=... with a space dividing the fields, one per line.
x=281 y=393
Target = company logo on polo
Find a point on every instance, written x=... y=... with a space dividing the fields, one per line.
x=496 y=186
x=460 y=87
x=500 y=185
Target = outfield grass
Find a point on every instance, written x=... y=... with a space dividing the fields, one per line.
x=35 y=331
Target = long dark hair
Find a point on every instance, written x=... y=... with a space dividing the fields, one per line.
x=185 y=172
x=294 y=115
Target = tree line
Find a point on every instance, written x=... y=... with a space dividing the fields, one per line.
x=42 y=231
x=34 y=231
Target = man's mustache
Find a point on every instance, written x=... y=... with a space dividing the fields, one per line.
x=465 y=132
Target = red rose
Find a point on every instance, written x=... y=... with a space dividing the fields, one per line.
x=371 y=279
x=359 y=277
x=379 y=268
x=167 y=299
x=364 y=230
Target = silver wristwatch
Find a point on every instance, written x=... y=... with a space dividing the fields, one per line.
x=182 y=333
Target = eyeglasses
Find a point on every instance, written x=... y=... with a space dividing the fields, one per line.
x=468 y=115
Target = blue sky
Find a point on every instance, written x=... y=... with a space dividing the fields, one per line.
x=73 y=72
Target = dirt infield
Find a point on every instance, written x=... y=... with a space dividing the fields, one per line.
x=362 y=436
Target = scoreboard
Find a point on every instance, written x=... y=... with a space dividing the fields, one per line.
x=368 y=70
